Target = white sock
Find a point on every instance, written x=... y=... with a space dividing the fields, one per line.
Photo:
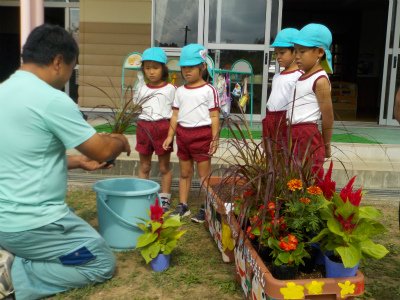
x=165 y=196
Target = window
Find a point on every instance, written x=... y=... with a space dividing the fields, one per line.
x=241 y=22
x=175 y=22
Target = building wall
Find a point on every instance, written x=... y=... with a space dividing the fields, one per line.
x=109 y=30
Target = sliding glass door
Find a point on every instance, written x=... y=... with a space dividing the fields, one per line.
x=391 y=71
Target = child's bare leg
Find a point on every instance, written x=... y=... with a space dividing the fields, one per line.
x=166 y=172
x=145 y=166
x=203 y=170
x=185 y=179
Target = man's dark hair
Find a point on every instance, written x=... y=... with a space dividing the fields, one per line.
x=47 y=41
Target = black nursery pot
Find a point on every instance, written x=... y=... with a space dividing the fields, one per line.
x=310 y=263
x=284 y=272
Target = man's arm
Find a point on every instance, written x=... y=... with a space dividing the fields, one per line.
x=397 y=106
x=104 y=147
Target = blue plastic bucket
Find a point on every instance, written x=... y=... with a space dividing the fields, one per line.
x=120 y=202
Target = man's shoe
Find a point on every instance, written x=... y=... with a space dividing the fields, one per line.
x=6 y=287
x=182 y=210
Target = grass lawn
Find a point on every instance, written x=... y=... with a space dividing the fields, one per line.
x=256 y=134
x=197 y=270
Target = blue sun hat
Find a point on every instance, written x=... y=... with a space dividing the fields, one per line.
x=192 y=55
x=317 y=35
x=285 y=37
x=154 y=54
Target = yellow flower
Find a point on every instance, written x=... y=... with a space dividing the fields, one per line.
x=295 y=184
x=314 y=190
x=346 y=288
x=315 y=287
x=292 y=291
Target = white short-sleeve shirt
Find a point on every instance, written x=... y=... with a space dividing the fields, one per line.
x=283 y=85
x=195 y=104
x=156 y=101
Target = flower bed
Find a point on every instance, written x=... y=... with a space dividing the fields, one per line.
x=255 y=278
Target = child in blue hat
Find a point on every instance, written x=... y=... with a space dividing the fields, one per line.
x=274 y=124
x=195 y=120
x=156 y=98
x=312 y=98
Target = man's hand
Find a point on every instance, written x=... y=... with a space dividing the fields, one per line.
x=88 y=164
x=85 y=163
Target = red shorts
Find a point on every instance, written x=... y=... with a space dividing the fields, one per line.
x=194 y=143
x=274 y=127
x=307 y=135
x=150 y=135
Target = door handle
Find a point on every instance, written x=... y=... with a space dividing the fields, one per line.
x=395 y=62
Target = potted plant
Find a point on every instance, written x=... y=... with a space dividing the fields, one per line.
x=288 y=253
x=349 y=228
x=123 y=110
x=160 y=236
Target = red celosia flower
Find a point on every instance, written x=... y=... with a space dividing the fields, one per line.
x=348 y=194
x=292 y=239
x=295 y=184
x=327 y=185
x=347 y=225
x=314 y=190
x=156 y=211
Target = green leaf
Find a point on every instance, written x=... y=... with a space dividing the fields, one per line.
x=335 y=227
x=145 y=239
x=320 y=235
x=368 y=212
x=346 y=210
x=350 y=255
x=171 y=245
x=284 y=257
x=149 y=253
x=371 y=249
x=173 y=221
x=143 y=227
x=155 y=226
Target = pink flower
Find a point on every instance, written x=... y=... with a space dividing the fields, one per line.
x=327 y=185
x=348 y=194
x=156 y=211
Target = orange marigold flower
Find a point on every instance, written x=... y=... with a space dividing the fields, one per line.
x=314 y=190
x=295 y=184
x=305 y=200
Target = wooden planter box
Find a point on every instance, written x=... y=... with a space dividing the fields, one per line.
x=255 y=278
x=217 y=221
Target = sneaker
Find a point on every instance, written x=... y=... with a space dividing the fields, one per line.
x=166 y=205
x=200 y=217
x=181 y=210
x=6 y=287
